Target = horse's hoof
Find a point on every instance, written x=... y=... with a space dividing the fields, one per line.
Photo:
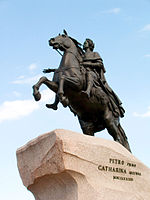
x=36 y=93
x=52 y=106
x=37 y=96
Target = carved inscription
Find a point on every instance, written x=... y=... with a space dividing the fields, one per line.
x=122 y=169
x=111 y=169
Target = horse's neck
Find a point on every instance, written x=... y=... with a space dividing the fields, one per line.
x=70 y=58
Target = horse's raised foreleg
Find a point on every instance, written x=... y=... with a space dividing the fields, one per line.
x=43 y=80
x=60 y=92
x=51 y=85
x=68 y=82
x=36 y=93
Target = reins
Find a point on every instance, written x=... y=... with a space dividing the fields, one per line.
x=67 y=51
x=67 y=68
x=59 y=52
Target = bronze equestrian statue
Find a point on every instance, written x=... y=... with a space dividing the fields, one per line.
x=80 y=84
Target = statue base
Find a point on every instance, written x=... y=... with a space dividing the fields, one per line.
x=69 y=166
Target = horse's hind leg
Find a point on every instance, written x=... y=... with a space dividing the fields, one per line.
x=64 y=100
x=71 y=82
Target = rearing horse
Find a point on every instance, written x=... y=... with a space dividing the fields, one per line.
x=68 y=81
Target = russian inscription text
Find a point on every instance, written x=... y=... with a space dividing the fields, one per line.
x=120 y=167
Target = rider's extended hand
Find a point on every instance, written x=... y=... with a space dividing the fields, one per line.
x=45 y=71
x=48 y=70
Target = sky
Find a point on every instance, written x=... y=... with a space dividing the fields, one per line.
x=120 y=30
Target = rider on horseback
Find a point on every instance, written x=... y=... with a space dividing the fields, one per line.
x=81 y=75
x=95 y=70
x=95 y=77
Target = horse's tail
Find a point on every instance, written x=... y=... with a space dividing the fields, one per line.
x=122 y=132
x=125 y=139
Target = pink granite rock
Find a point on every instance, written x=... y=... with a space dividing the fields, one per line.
x=64 y=165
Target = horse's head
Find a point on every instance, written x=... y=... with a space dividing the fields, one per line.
x=61 y=42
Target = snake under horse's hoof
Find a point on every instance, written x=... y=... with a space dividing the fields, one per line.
x=36 y=93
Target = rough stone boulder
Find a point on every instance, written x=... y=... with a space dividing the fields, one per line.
x=64 y=165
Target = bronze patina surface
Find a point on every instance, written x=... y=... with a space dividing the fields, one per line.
x=80 y=84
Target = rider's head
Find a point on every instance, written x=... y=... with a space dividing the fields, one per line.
x=88 y=43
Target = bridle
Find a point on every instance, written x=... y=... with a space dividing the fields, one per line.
x=69 y=52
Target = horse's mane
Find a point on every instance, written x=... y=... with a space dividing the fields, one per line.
x=78 y=45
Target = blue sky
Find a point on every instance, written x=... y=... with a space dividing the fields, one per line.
x=121 y=32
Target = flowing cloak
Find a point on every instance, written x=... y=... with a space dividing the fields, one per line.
x=115 y=103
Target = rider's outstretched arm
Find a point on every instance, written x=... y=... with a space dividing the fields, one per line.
x=49 y=70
